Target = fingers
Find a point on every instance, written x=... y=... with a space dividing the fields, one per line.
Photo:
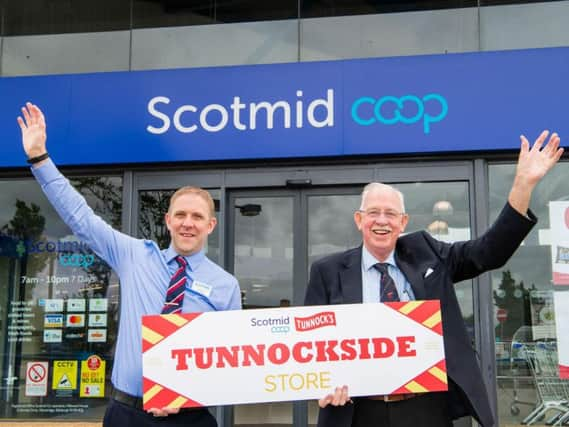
x=525 y=144
x=558 y=155
x=32 y=115
x=41 y=117
x=344 y=397
x=27 y=116
x=552 y=144
x=325 y=401
x=551 y=151
x=539 y=141
x=339 y=398
x=156 y=412
x=37 y=115
x=163 y=412
x=21 y=123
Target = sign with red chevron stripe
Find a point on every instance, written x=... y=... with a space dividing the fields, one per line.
x=292 y=353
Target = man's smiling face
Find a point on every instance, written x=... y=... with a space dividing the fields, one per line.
x=381 y=221
x=190 y=222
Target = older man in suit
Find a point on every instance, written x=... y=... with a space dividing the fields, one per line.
x=391 y=267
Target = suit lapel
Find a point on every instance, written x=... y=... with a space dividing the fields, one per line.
x=351 y=277
x=408 y=266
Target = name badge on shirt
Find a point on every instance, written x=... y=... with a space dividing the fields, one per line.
x=201 y=288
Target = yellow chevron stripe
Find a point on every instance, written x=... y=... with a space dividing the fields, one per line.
x=439 y=374
x=415 y=387
x=150 y=335
x=178 y=402
x=176 y=319
x=434 y=320
x=410 y=306
x=153 y=391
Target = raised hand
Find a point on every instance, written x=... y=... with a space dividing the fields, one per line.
x=535 y=162
x=33 y=130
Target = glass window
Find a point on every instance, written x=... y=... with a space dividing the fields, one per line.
x=58 y=305
x=502 y=2
x=519 y=24
x=523 y=294
x=263 y=264
x=27 y=17
x=156 y=13
x=255 y=10
x=264 y=254
x=168 y=13
x=318 y=8
x=324 y=210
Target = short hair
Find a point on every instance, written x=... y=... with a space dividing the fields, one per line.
x=380 y=187
x=204 y=194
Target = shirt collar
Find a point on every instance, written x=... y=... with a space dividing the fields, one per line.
x=369 y=260
x=193 y=260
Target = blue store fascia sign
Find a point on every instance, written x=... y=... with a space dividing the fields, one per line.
x=422 y=104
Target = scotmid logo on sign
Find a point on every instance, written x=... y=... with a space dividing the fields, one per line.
x=243 y=116
x=408 y=109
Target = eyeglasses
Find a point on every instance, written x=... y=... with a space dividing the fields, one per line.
x=389 y=214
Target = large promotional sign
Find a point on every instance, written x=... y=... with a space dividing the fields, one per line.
x=249 y=356
x=421 y=104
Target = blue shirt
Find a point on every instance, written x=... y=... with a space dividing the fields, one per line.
x=144 y=272
x=371 y=278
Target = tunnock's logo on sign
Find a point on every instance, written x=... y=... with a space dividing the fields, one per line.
x=318 y=320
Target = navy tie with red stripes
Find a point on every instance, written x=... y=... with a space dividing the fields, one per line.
x=388 y=290
x=175 y=292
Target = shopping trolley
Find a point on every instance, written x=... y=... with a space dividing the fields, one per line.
x=521 y=340
x=563 y=419
x=553 y=392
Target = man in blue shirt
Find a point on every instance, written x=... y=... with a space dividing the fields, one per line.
x=144 y=272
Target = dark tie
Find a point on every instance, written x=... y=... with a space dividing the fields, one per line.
x=388 y=291
x=175 y=292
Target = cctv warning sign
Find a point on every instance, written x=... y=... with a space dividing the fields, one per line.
x=64 y=375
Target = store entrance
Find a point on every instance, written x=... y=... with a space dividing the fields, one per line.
x=274 y=222
x=275 y=235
